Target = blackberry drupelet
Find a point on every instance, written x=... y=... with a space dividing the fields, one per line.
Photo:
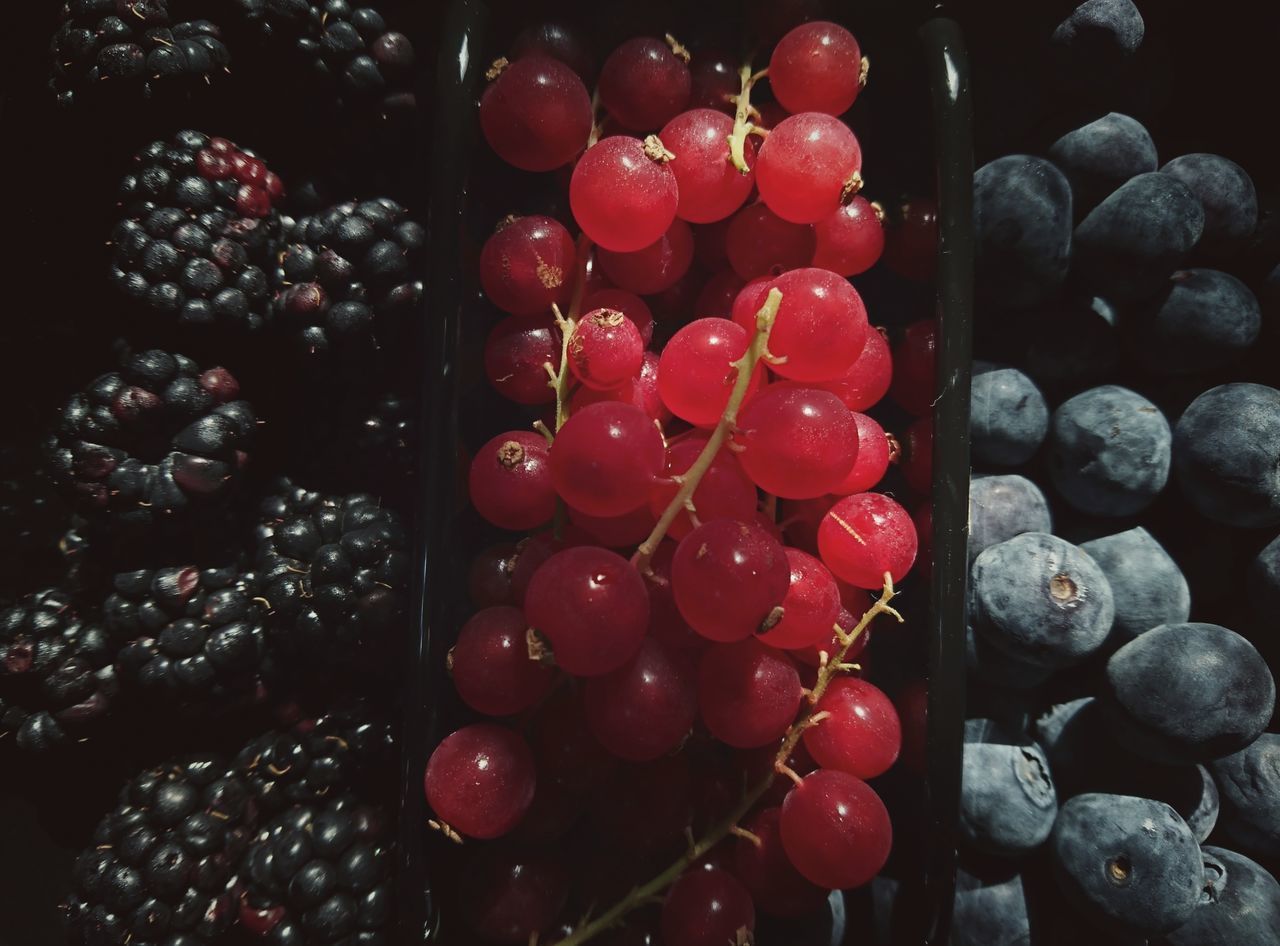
x=56 y=674
x=133 y=44
x=200 y=232
x=318 y=759
x=320 y=874
x=158 y=438
x=163 y=868
x=346 y=269
x=334 y=570
x=195 y=634
x=347 y=47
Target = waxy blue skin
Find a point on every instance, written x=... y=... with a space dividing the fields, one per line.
x=1240 y=905
x=1264 y=581
x=1100 y=156
x=1226 y=193
x=1226 y=455
x=1007 y=799
x=1003 y=506
x=1249 y=781
x=1148 y=586
x=1040 y=599
x=1109 y=451
x=1128 y=864
x=1022 y=221
x=1205 y=319
x=1184 y=693
x=990 y=909
x=1008 y=416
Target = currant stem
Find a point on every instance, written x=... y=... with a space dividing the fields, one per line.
x=742 y=125
x=641 y=895
x=746 y=366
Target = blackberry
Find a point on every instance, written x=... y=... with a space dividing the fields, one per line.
x=335 y=571
x=163 y=868
x=317 y=759
x=200 y=232
x=347 y=268
x=131 y=43
x=320 y=874
x=56 y=673
x=195 y=634
x=155 y=439
x=346 y=47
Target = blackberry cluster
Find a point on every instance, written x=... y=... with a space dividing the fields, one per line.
x=316 y=759
x=195 y=634
x=130 y=43
x=152 y=440
x=165 y=861
x=348 y=48
x=56 y=672
x=320 y=874
x=200 y=232
x=344 y=269
x=334 y=570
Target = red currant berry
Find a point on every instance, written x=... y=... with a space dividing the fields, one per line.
x=489 y=579
x=810 y=607
x=490 y=664
x=727 y=577
x=850 y=240
x=509 y=896
x=864 y=384
x=531 y=552
x=873 y=458
x=606 y=458
x=816 y=68
x=616 y=532
x=775 y=885
x=862 y=736
x=640 y=391
x=527 y=265
x=558 y=42
x=696 y=373
x=666 y=624
x=725 y=492
x=716 y=298
x=480 y=780
x=605 y=349
x=707 y=908
x=917 y=455
x=711 y=188
x=806 y=165
x=628 y=303
x=715 y=81
x=593 y=608
x=913 y=710
x=835 y=830
x=621 y=197
x=798 y=443
x=708 y=244
x=515 y=356
x=537 y=114
x=760 y=243
x=911 y=245
x=748 y=694
x=821 y=326
x=510 y=482
x=847 y=621
x=865 y=535
x=913 y=367
x=800 y=521
x=645 y=708
x=654 y=268
x=644 y=84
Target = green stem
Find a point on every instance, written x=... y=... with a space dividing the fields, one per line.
x=742 y=117
x=645 y=893
x=746 y=366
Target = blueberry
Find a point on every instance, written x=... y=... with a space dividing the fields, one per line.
x=1022 y=217
x=1100 y=156
x=1109 y=451
x=1148 y=587
x=1249 y=782
x=1226 y=455
x=1128 y=864
x=1081 y=349
x=1001 y=507
x=1185 y=693
x=1129 y=245
x=990 y=908
x=1264 y=581
x=1008 y=417
x=1041 y=599
x=1225 y=192
x=1007 y=800
x=1239 y=906
x=1103 y=30
x=993 y=667
x=1206 y=319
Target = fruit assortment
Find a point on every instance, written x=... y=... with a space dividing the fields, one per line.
x=1118 y=769
x=706 y=546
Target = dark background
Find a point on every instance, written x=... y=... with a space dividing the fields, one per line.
x=1205 y=81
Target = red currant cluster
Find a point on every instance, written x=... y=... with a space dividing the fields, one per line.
x=703 y=687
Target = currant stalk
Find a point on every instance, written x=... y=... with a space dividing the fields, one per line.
x=730 y=824
x=742 y=125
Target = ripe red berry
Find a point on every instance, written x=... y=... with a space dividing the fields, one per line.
x=760 y=243
x=913 y=367
x=727 y=576
x=725 y=492
x=809 y=608
x=777 y=888
x=644 y=84
x=711 y=188
x=865 y=535
x=592 y=606
x=816 y=68
x=653 y=268
x=510 y=481
x=515 y=356
x=821 y=326
x=606 y=458
x=835 y=830
x=911 y=244
x=716 y=298
x=862 y=735
x=621 y=197
x=696 y=373
x=873 y=458
x=628 y=303
x=615 y=532
x=605 y=349
x=748 y=693
x=707 y=908
x=508 y=894
x=537 y=114
x=491 y=667
x=917 y=455
x=867 y=381
x=480 y=780
x=645 y=708
x=639 y=391
x=527 y=265
x=806 y=166
x=850 y=240
x=798 y=443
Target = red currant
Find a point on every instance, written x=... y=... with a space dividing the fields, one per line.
x=515 y=358
x=622 y=198
x=628 y=303
x=748 y=694
x=537 y=114
x=850 y=240
x=913 y=367
x=605 y=349
x=809 y=608
x=711 y=188
x=865 y=535
x=480 y=780
x=835 y=830
x=606 y=458
x=867 y=381
x=491 y=667
x=821 y=326
x=775 y=885
x=725 y=492
x=644 y=83
x=816 y=68
x=653 y=268
x=862 y=735
x=510 y=481
x=527 y=265
x=645 y=708
x=873 y=458
x=696 y=373
x=727 y=576
x=760 y=243
x=707 y=908
x=806 y=165
x=798 y=443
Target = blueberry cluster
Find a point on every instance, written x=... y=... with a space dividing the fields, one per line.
x=1119 y=782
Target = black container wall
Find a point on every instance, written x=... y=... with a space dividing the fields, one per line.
x=914 y=125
